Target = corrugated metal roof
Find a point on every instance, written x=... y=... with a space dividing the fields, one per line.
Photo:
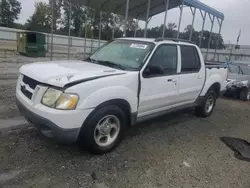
x=204 y=7
x=138 y=8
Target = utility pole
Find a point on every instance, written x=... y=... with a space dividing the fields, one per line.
x=70 y=16
x=52 y=30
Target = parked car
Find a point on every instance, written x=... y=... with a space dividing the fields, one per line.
x=238 y=80
x=127 y=81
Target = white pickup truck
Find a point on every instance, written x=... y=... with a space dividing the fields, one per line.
x=124 y=82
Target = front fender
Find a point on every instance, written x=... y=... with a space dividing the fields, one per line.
x=109 y=93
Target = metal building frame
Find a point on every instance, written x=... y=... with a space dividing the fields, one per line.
x=137 y=8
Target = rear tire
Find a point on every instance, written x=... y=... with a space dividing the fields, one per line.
x=103 y=130
x=207 y=105
x=245 y=94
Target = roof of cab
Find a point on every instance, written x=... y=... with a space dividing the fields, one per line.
x=139 y=39
x=153 y=40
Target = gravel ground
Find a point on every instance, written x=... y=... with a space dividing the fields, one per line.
x=7 y=99
x=177 y=150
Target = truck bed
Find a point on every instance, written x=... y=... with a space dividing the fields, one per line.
x=211 y=65
x=215 y=73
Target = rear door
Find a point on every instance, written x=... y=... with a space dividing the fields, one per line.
x=159 y=91
x=192 y=74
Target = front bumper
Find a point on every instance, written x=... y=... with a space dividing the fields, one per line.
x=48 y=128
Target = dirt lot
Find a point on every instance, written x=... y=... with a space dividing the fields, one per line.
x=177 y=150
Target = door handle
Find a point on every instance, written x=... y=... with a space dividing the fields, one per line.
x=199 y=77
x=172 y=80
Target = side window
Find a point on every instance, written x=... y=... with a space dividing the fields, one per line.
x=190 y=61
x=165 y=56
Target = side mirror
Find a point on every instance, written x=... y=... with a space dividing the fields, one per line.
x=153 y=70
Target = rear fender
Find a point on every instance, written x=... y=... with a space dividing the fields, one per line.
x=209 y=82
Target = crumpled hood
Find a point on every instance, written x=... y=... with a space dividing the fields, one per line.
x=60 y=73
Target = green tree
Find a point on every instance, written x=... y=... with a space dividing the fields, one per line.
x=171 y=26
x=41 y=18
x=171 y=32
x=56 y=11
x=9 y=12
x=78 y=17
x=213 y=43
x=109 y=21
x=82 y=16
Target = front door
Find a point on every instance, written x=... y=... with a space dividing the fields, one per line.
x=159 y=81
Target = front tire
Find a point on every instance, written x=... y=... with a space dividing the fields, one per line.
x=103 y=130
x=207 y=106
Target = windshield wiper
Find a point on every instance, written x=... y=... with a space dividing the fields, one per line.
x=110 y=64
x=88 y=60
x=91 y=60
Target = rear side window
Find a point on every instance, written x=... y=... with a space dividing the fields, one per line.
x=190 y=61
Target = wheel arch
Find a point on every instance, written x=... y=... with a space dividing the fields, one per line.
x=214 y=81
x=216 y=87
x=121 y=103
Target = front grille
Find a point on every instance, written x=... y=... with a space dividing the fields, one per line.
x=26 y=92
x=29 y=81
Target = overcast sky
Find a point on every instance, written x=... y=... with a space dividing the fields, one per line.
x=236 y=17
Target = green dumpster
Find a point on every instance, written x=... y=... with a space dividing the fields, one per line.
x=31 y=44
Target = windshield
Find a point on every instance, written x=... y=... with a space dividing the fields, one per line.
x=124 y=53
